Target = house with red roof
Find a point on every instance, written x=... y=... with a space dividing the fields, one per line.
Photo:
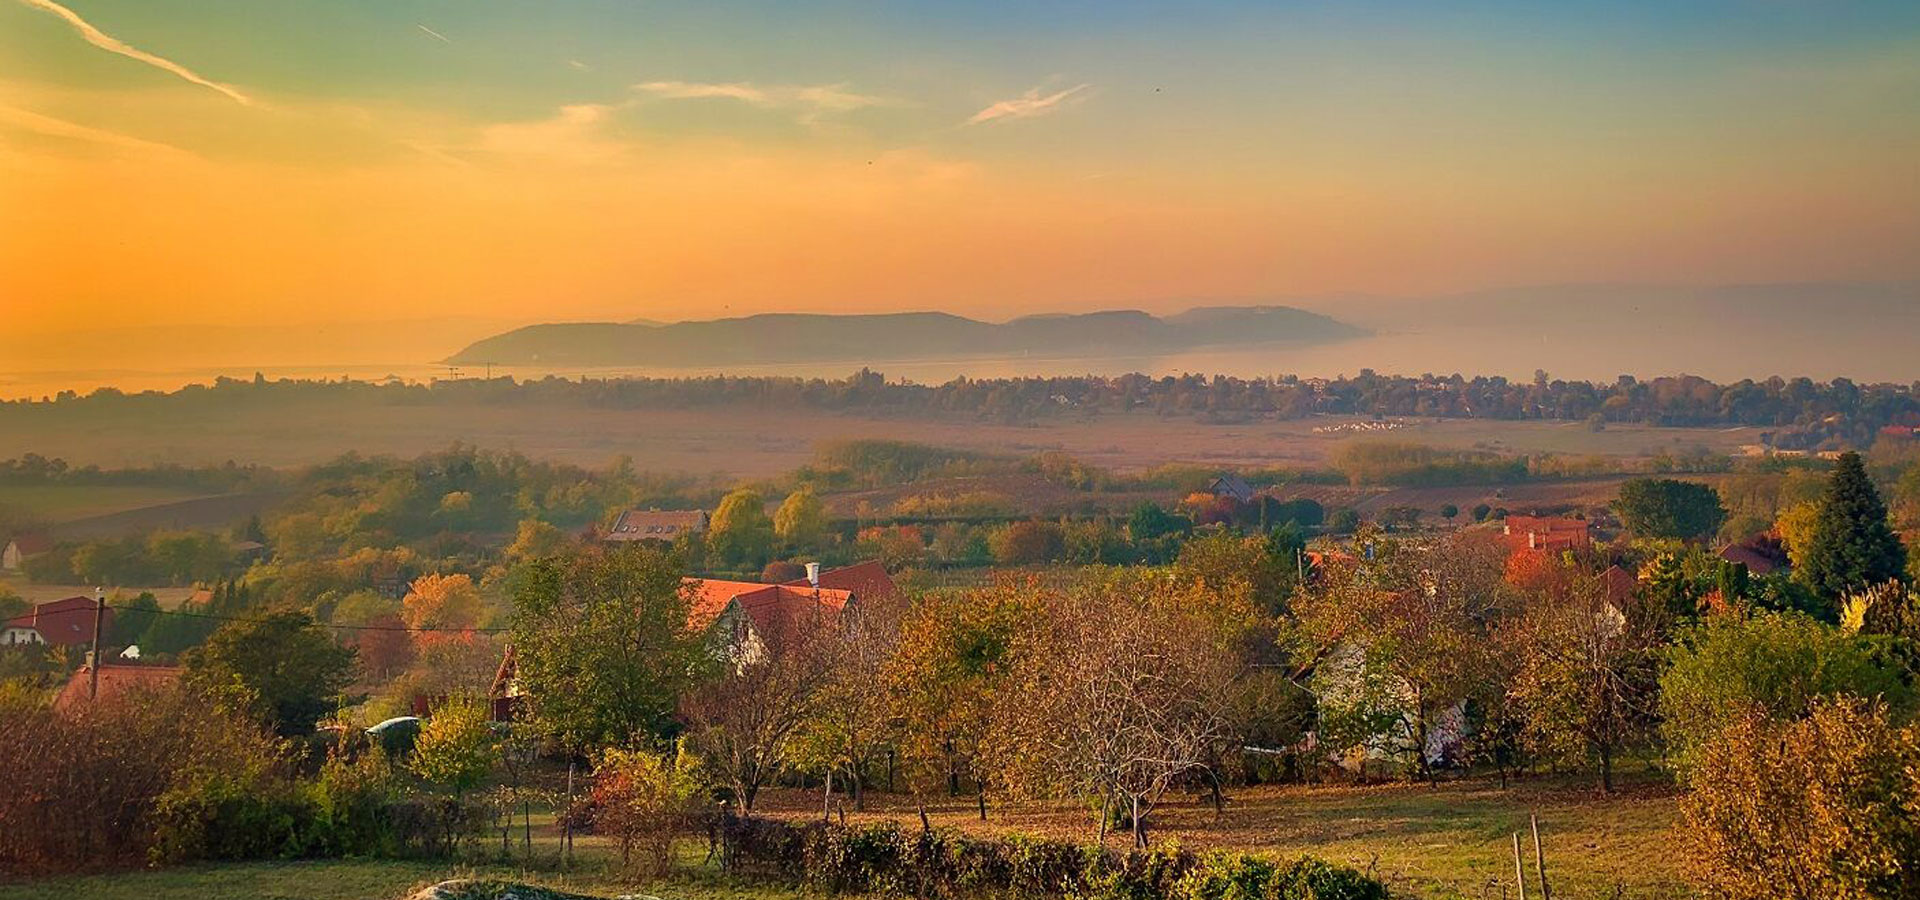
x=62 y=623
x=1546 y=533
x=749 y=619
x=118 y=682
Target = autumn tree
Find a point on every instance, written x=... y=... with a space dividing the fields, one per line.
x=1822 y=806
x=535 y=538
x=602 y=644
x=740 y=534
x=441 y=607
x=801 y=520
x=848 y=728
x=743 y=721
x=1852 y=545
x=454 y=752
x=948 y=679
x=1401 y=631
x=1587 y=666
x=1125 y=692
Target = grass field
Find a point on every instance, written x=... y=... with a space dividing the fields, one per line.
x=57 y=503
x=1451 y=840
x=751 y=441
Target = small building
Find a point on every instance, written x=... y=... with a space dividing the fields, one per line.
x=1231 y=486
x=14 y=556
x=1760 y=560
x=62 y=623
x=656 y=525
x=1546 y=533
x=13 y=633
x=117 y=683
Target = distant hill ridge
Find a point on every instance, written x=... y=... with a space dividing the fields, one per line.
x=809 y=337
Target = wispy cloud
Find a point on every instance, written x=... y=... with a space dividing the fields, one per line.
x=812 y=98
x=1027 y=105
x=36 y=123
x=112 y=44
x=433 y=34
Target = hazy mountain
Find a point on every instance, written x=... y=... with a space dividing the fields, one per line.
x=862 y=339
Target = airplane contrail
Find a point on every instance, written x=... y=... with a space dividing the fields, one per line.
x=434 y=34
x=112 y=44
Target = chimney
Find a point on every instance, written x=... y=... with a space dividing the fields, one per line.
x=813 y=574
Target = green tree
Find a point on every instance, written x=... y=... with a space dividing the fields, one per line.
x=455 y=747
x=454 y=752
x=1668 y=508
x=1853 y=546
x=741 y=534
x=534 y=539
x=132 y=620
x=282 y=668
x=1150 y=522
x=1777 y=664
x=602 y=645
x=801 y=520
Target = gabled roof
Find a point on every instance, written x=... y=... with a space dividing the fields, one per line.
x=1756 y=562
x=68 y=622
x=657 y=525
x=116 y=682
x=1233 y=486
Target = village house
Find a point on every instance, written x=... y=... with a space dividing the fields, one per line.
x=656 y=525
x=117 y=682
x=62 y=623
x=1231 y=486
x=23 y=547
x=1546 y=533
x=749 y=619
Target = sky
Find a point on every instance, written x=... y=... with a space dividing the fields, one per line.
x=256 y=163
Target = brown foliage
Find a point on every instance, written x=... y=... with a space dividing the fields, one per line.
x=1824 y=807
x=82 y=784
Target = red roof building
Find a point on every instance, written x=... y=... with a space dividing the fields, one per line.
x=62 y=623
x=1546 y=533
x=117 y=682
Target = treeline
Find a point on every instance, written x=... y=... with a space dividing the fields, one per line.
x=34 y=469
x=1810 y=411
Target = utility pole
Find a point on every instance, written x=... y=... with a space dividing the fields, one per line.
x=99 y=616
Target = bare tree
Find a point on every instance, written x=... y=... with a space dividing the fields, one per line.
x=743 y=722
x=1128 y=690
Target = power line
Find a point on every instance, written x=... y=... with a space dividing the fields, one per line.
x=405 y=628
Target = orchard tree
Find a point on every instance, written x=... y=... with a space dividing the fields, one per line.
x=948 y=678
x=1669 y=508
x=1853 y=545
x=1587 y=671
x=1126 y=691
x=743 y=722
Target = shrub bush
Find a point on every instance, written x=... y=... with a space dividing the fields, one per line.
x=882 y=859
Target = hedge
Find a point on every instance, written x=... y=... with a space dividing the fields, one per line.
x=883 y=859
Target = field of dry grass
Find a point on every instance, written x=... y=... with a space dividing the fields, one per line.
x=756 y=442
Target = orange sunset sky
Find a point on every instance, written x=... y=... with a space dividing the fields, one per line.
x=195 y=163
